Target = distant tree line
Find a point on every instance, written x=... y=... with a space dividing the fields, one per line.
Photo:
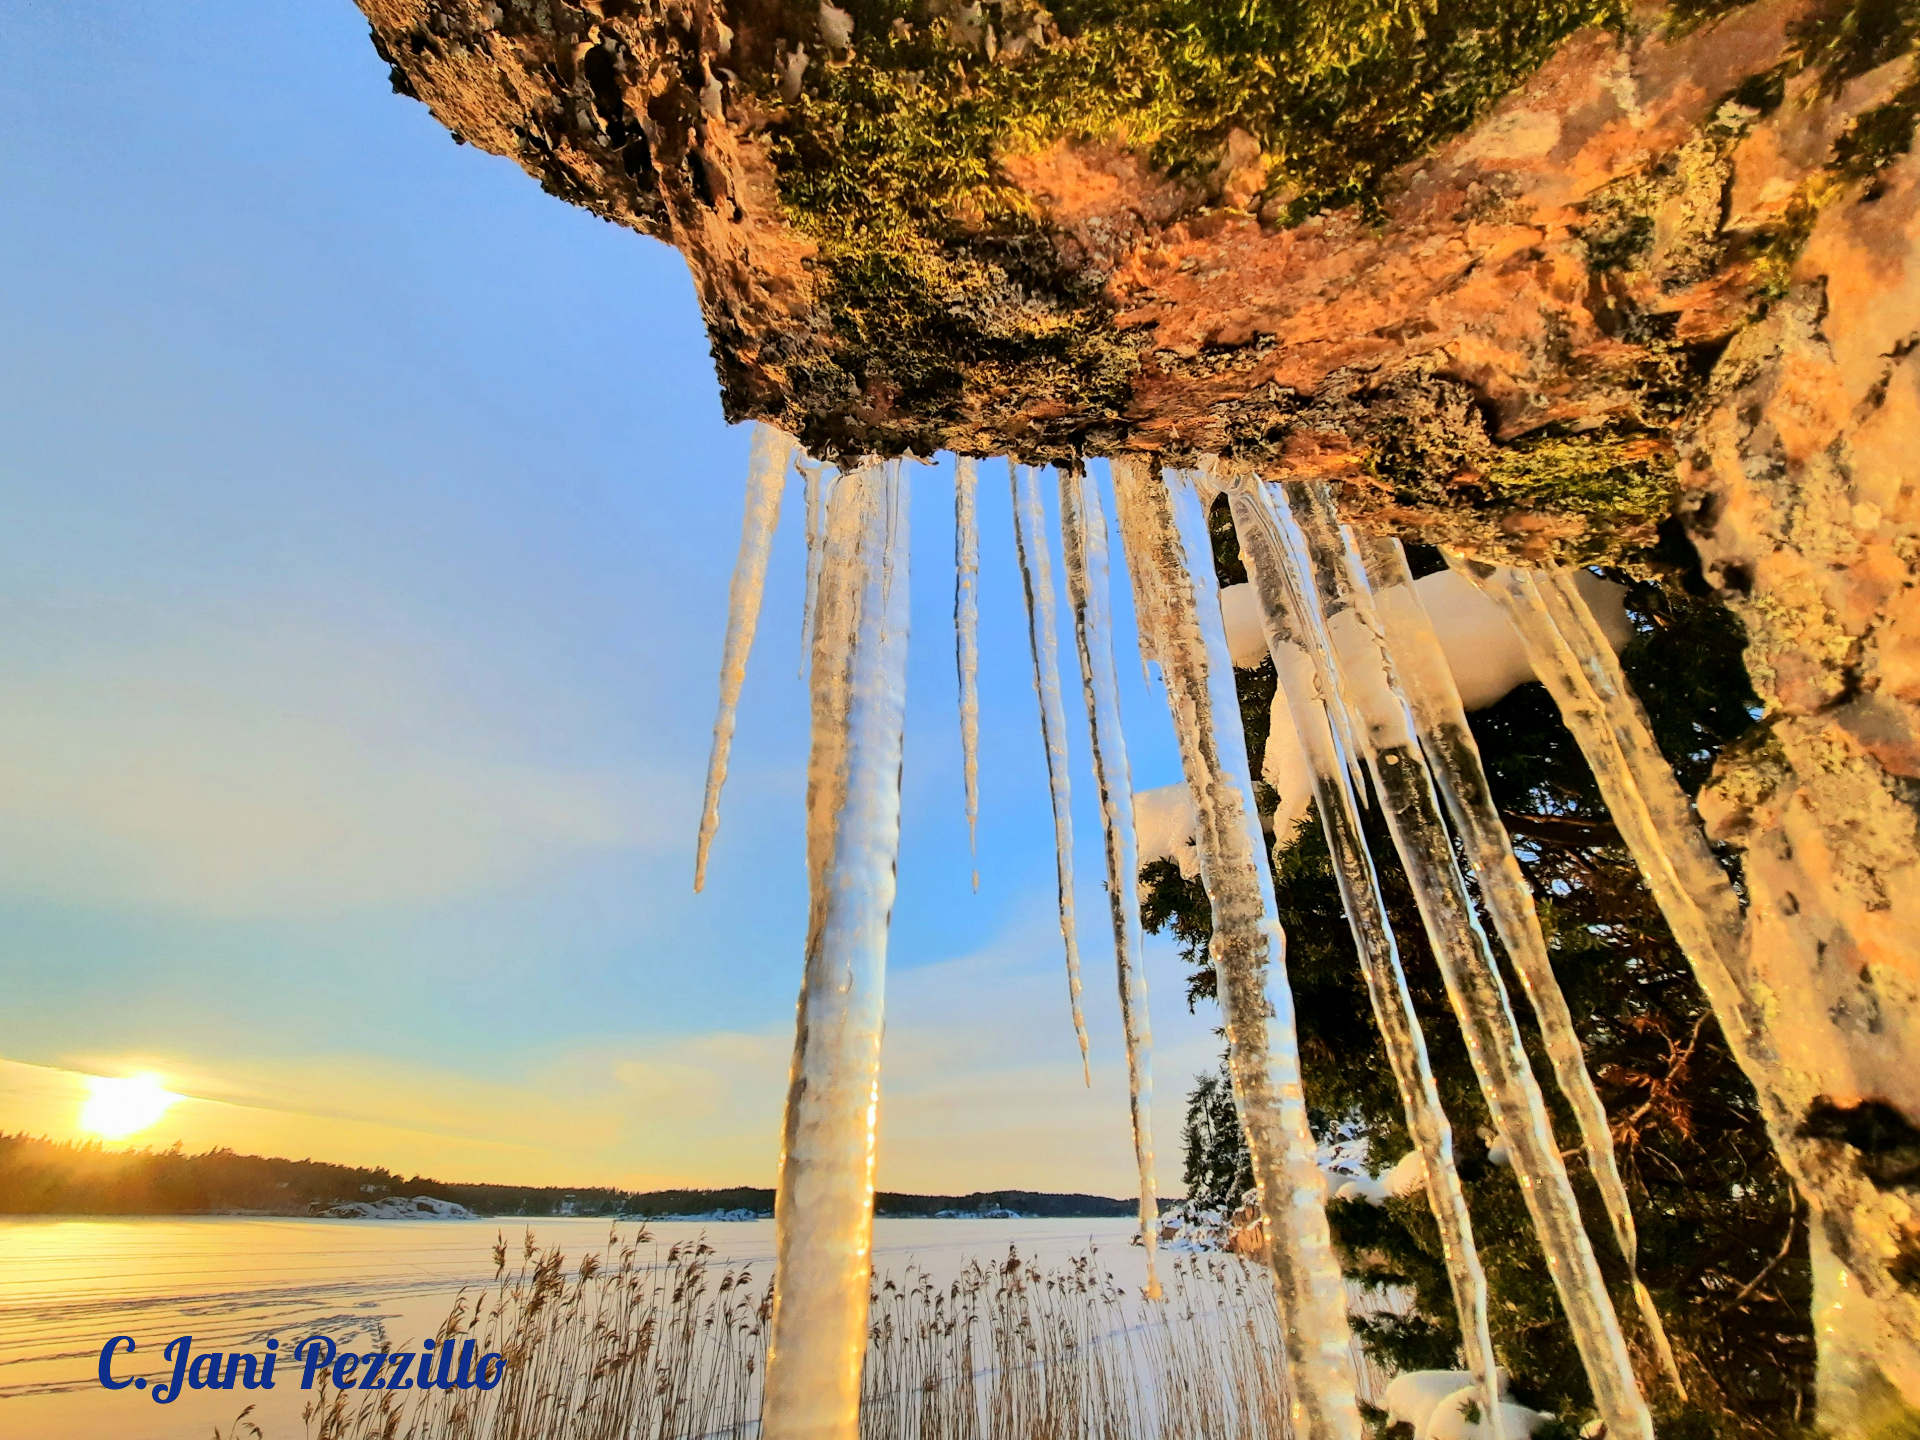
x=1026 y=1202
x=1723 y=1243
x=39 y=1176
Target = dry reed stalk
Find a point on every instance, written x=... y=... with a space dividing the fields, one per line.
x=637 y=1344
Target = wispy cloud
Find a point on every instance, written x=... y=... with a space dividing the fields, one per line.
x=983 y=1086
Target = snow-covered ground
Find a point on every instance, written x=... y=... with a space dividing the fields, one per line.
x=400 y=1207
x=1443 y=1405
x=233 y=1282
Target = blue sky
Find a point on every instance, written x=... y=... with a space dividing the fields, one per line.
x=368 y=517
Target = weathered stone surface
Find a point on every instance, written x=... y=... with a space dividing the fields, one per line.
x=1562 y=275
x=1803 y=485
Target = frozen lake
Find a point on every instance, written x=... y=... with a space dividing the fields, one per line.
x=70 y=1284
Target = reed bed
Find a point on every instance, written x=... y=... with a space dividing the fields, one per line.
x=637 y=1342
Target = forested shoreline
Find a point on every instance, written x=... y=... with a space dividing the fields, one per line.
x=39 y=1176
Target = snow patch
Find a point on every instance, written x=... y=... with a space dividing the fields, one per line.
x=1284 y=767
x=1246 y=633
x=1484 y=652
x=1164 y=823
x=985 y=1212
x=1407 y=1177
x=1412 y=1398
x=1450 y=1422
x=1436 y=1403
x=1608 y=602
x=1363 y=1187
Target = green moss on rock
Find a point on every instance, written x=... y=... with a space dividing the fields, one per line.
x=946 y=295
x=1609 y=478
x=1428 y=444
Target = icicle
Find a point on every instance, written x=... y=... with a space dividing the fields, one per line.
x=1083 y=534
x=1300 y=653
x=1653 y=814
x=1171 y=559
x=1570 y=654
x=810 y=481
x=824 y=1210
x=766 y=477
x=1473 y=982
x=1207 y=479
x=1449 y=746
x=1036 y=578
x=966 y=636
x=1146 y=639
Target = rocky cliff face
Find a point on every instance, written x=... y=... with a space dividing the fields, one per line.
x=1530 y=280
x=1001 y=231
x=1799 y=476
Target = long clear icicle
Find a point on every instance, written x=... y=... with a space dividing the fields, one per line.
x=1654 y=816
x=1170 y=557
x=1479 y=996
x=1571 y=656
x=1083 y=534
x=766 y=477
x=1036 y=579
x=1448 y=743
x=824 y=1208
x=810 y=488
x=1300 y=656
x=966 y=637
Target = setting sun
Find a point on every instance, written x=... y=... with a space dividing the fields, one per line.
x=118 y=1108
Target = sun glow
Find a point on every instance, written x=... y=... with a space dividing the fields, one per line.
x=118 y=1108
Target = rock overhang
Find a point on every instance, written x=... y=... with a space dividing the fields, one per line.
x=998 y=229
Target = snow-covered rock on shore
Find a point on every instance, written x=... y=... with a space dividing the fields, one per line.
x=399 y=1207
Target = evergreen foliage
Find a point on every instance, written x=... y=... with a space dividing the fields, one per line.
x=1722 y=1247
x=1219 y=1168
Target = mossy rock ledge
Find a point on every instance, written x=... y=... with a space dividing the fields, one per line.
x=1474 y=262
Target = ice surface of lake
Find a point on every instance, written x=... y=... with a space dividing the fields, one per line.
x=68 y=1284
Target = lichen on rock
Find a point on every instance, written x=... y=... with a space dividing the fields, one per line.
x=1173 y=227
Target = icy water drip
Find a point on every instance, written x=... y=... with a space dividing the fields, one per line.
x=1083 y=534
x=810 y=480
x=1412 y=809
x=966 y=637
x=1170 y=556
x=766 y=477
x=1299 y=649
x=824 y=1205
x=1036 y=579
x=1447 y=741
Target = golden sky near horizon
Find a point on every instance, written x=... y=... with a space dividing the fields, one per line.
x=359 y=676
x=979 y=1091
